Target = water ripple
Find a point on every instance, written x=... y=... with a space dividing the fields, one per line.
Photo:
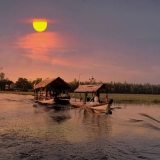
x=45 y=132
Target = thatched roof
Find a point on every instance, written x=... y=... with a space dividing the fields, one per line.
x=56 y=83
x=43 y=83
x=91 y=88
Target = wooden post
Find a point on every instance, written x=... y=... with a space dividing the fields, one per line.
x=107 y=97
x=98 y=96
x=36 y=94
x=80 y=96
x=85 y=98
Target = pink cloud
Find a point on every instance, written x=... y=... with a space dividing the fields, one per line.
x=64 y=50
x=53 y=48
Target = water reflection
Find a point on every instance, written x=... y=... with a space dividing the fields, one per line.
x=131 y=132
x=60 y=118
x=58 y=113
x=95 y=124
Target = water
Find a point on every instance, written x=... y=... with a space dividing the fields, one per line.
x=30 y=132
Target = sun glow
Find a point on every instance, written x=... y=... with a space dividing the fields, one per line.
x=39 y=25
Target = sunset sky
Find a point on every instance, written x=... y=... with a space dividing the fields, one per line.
x=111 y=40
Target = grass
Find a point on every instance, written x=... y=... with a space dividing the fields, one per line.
x=136 y=98
x=118 y=98
x=127 y=98
x=15 y=92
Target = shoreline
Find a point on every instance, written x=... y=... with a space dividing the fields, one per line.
x=118 y=98
x=17 y=92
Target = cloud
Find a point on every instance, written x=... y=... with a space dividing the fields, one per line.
x=38 y=45
x=56 y=49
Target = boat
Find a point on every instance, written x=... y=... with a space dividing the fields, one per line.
x=80 y=104
x=56 y=100
x=94 y=90
x=103 y=108
x=64 y=100
x=46 y=101
x=51 y=91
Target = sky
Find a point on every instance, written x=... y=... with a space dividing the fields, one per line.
x=111 y=40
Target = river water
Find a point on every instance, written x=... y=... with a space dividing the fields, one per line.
x=31 y=131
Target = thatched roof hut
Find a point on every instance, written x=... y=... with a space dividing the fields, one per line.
x=56 y=83
x=101 y=88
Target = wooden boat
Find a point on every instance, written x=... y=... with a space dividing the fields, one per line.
x=51 y=91
x=80 y=104
x=57 y=100
x=94 y=90
x=62 y=100
x=103 y=108
x=46 y=101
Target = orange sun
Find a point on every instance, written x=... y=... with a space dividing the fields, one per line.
x=39 y=25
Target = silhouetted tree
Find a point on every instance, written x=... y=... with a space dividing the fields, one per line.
x=34 y=82
x=23 y=84
x=2 y=76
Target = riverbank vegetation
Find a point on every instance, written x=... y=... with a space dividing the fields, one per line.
x=120 y=92
x=122 y=88
x=125 y=98
x=118 y=98
x=17 y=92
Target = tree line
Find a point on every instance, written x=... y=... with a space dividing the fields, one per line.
x=124 y=88
x=22 y=84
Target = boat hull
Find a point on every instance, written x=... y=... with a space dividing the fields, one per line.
x=58 y=100
x=106 y=108
x=80 y=104
x=62 y=101
x=48 y=101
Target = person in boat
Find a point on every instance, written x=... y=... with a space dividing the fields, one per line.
x=48 y=95
x=106 y=98
x=44 y=94
x=94 y=98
